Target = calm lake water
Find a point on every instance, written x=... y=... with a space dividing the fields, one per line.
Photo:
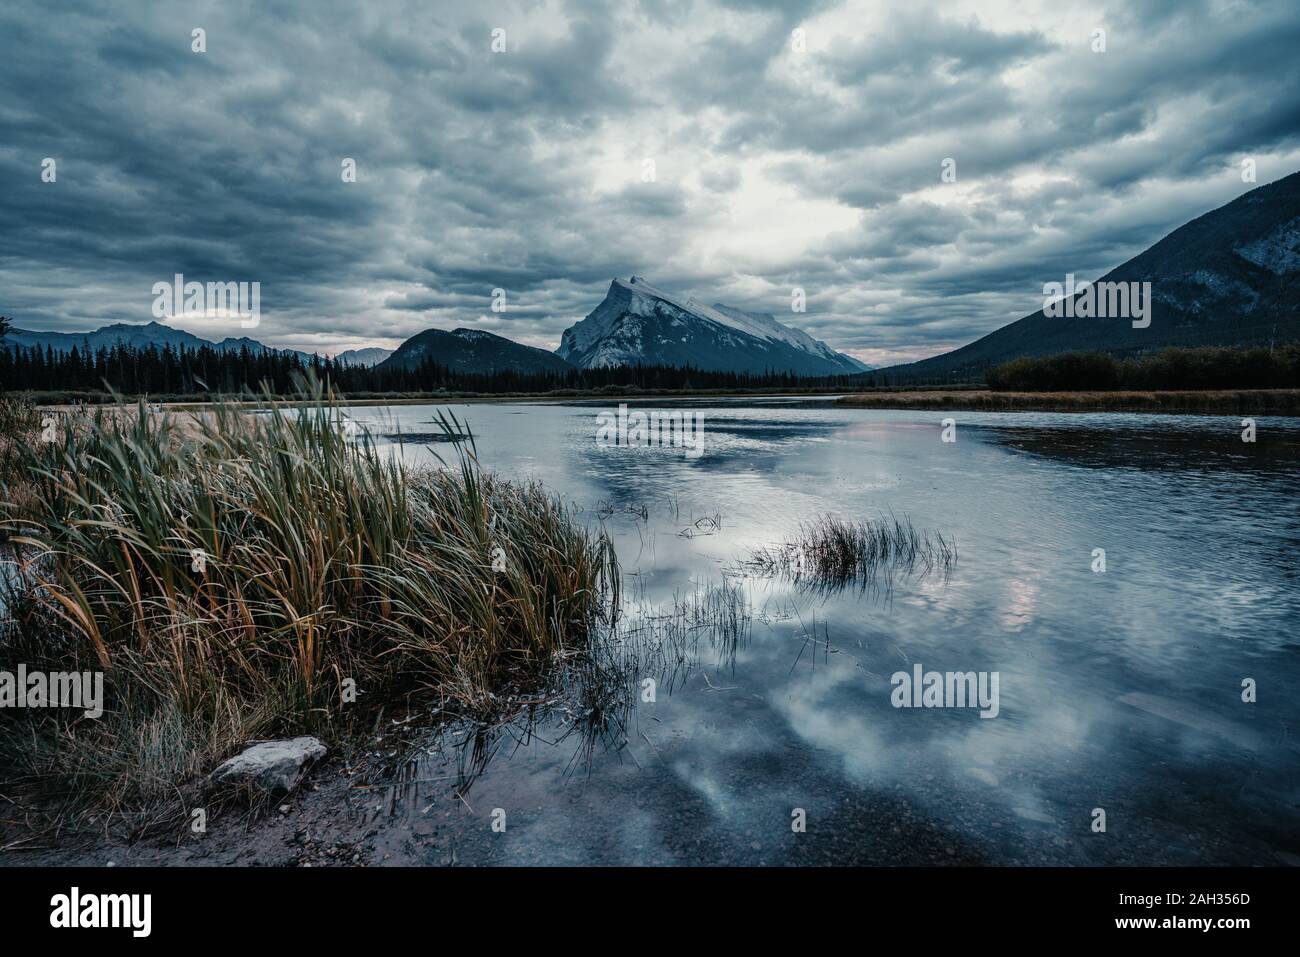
x=1119 y=691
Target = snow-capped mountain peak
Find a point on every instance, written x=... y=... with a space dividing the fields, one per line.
x=638 y=323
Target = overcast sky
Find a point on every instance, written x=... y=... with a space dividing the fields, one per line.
x=774 y=167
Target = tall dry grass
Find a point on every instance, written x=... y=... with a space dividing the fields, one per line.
x=326 y=567
x=20 y=422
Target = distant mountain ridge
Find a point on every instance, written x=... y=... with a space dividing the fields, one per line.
x=134 y=335
x=637 y=323
x=143 y=335
x=473 y=350
x=1228 y=277
x=363 y=357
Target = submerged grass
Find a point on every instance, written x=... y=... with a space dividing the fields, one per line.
x=832 y=553
x=239 y=577
x=593 y=696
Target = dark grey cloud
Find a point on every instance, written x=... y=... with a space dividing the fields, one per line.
x=775 y=167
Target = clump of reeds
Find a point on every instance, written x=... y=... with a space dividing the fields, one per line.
x=240 y=577
x=834 y=553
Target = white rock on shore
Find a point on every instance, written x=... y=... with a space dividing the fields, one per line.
x=272 y=765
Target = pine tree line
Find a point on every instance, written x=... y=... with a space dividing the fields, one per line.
x=179 y=371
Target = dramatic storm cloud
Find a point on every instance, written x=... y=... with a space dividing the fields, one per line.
x=728 y=150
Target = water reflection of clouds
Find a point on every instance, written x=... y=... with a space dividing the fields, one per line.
x=1018 y=604
x=1200 y=588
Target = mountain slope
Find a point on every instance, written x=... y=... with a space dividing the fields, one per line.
x=637 y=323
x=472 y=350
x=363 y=357
x=764 y=324
x=1229 y=277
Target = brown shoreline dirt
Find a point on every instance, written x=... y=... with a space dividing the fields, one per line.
x=310 y=832
x=1210 y=402
x=1206 y=402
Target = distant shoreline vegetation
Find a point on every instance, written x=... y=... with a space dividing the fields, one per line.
x=182 y=372
x=201 y=375
x=1170 y=369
